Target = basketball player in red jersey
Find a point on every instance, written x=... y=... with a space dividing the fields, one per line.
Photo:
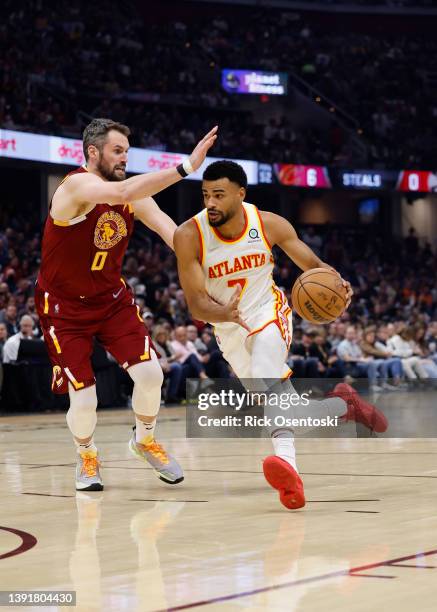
x=225 y=265
x=80 y=294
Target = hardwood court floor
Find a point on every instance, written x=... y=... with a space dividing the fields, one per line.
x=366 y=541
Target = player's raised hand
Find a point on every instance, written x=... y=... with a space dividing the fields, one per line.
x=197 y=157
x=233 y=310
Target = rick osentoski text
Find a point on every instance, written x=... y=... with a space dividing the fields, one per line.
x=279 y=420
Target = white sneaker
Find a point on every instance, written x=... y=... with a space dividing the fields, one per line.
x=376 y=388
x=165 y=466
x=87 y=472
x=387 y=387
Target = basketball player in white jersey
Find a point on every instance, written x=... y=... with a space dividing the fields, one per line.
x=225 y=268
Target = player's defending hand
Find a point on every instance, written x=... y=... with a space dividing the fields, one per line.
x=232 y=308
x=197 y=157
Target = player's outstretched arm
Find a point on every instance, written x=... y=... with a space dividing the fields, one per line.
x=149 y=213
x=88 y=188
x=280 y=231
x=192 y=279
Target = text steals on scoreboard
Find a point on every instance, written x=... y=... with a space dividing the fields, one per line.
x=323 y=177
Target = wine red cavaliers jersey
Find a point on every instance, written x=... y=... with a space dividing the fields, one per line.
x=82 y=258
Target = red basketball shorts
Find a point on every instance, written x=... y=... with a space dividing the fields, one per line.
x=70 y=326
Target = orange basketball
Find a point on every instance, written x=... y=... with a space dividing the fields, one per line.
x=318 y=296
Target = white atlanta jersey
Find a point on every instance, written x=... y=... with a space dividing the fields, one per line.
x=245 y=260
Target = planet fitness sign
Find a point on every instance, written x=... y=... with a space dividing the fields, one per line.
x=254 y=82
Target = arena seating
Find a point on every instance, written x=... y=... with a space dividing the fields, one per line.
x=163 y=79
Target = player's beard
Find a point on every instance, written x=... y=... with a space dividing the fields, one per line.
x=220 y=218
x=116 y=173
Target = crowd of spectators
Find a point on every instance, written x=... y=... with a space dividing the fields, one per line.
x=388 y=355
x=388 y=334
x=164 y=80
x=20 y=244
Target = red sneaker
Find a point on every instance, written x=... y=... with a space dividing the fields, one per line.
x=359 y=410
x=283 y=477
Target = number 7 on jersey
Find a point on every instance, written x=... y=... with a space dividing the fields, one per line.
x=238 y=281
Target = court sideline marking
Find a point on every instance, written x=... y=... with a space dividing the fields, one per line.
x=352 y=572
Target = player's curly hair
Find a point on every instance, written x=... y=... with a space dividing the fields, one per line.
x=226 y=169
x=95 y=133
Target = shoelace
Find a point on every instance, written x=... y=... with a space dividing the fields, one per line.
x=157 y=451
x=90 y=465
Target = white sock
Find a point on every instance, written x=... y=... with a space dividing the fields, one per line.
x=145 y=431
x=87 y=447
x=283 y=445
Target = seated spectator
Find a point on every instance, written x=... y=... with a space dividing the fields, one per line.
x=381 y=344
x=337 y=331
x=10 y=318
x=329 y=364
x=171 y=368
x=431 y=339
x=164 y=307
x=4 y=298
x=216 y=366
x=148 y=319
x=29 y=307
x=401 y=345
x=301 y=361
x=12 y=344
x=3 y=338
x=390 y=365
x=187 y=355
x=421 y=349
x=193 y=336
x=206 y=336
x=357 y=365
x=180 y=308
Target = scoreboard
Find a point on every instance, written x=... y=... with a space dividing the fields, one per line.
x=324 y=177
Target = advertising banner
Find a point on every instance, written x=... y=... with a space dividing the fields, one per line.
x=68 y=151
x=254 y=82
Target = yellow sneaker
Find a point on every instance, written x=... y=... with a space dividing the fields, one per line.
x=164 y=465
x=88 y=473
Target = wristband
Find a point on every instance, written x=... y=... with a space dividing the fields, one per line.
x=187 y=166
x=180 y=168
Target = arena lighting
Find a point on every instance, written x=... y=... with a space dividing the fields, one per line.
x=68 y=151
